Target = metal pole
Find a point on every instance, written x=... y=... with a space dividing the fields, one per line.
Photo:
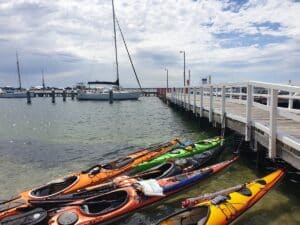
x=18 y=68
x=183 y=67
x=115 y=40
x=167 y=78
x=189 y=77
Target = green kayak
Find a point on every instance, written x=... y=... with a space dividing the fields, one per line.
x=180 y=152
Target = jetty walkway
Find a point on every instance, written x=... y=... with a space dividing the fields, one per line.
x=263 y=112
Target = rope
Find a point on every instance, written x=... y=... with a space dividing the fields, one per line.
x=129 y=56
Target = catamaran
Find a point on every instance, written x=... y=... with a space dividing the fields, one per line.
x=117 y=92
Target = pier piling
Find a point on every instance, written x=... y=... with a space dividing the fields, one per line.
x=64 y=95
x=28 y=97
x=111 y=96
x=72 y=95
x=53 y=96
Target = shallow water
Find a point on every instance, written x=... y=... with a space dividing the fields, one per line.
x=42 y=141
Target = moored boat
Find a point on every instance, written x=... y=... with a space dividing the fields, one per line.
x=223 y=207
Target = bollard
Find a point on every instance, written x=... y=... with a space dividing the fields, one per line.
x=64 y=95
x=53 y=96
x=28 y=97
x=72 y=95
x=111 y=96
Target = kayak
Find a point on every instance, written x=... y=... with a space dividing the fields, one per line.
x=92 y=176
x=168 y=169
x=178 y=153
x=223 y=207
x=113 y=205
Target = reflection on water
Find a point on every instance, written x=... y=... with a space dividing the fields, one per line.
x=42 y=141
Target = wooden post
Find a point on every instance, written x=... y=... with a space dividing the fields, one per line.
x=64 y=95
x=211 y=104
x=28 y=97
x=223 y=107
x=53 y=96
x=72 y=94
x=111 y=96
x=248 y=113
x=291 y=101
x=241 y=93
x=201 y=101
x=195 y=106
x=273 y=123
x=268 y=97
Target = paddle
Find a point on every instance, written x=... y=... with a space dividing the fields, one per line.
x=190 y=202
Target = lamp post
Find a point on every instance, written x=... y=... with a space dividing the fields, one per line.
x=183 y=66
x=167 y=78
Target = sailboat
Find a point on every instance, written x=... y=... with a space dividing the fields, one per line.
x=10 y=92
x=117 y=92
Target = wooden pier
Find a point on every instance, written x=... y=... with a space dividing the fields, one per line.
x=263 y=112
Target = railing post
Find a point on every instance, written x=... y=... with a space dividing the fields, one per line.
x=241 y=94
x=291 y=101
x=231 y=91
x=211 y=104
x=268 y=97
x=248 y=113
x=223 y=107
x=195 y=106
x=273 y=124
x=201 y=101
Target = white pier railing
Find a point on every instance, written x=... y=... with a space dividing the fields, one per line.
x=264 y=106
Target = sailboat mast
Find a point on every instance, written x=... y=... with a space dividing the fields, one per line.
x=18 y=68
x=115 y=39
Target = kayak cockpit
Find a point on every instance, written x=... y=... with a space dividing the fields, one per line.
x=193 y=216
x=118 y=164
x=54 y=187
x=105 y=203
x=165 y=170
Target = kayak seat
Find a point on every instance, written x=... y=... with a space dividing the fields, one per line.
x=262 y=182
x=54 y=187
x=245 y=191
x=105 y=203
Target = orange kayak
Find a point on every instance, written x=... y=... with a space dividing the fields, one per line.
x=225 y=206
x=93 y=176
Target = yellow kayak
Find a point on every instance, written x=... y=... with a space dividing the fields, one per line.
x=223 y=207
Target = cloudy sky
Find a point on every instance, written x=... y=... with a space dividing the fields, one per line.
x=72 y=40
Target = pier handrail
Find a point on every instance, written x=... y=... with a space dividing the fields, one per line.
x=251 y=94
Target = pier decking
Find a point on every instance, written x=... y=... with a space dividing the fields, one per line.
x=251 y=109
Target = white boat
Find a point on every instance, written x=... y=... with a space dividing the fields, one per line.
x=13 y=94
x=103 y=94
x=10 y=92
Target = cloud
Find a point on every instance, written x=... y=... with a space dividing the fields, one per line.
x=73 y=40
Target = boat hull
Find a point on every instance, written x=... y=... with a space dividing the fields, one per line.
x=122 y=95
